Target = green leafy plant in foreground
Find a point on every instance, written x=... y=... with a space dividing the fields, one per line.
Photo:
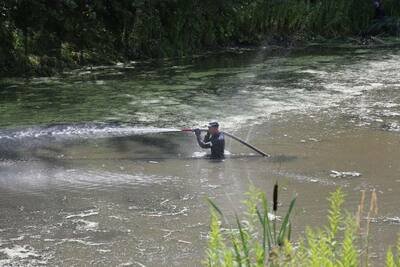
x=261 y=240
x=391 y=259
x=250 y=246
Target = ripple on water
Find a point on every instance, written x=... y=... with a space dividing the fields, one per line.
x=33 y=177
x=111 y=180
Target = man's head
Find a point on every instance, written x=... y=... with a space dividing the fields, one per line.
x=213 y=127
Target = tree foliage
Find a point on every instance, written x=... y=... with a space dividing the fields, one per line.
x=54 y=32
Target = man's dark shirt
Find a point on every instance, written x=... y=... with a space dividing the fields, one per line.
x=216 y=142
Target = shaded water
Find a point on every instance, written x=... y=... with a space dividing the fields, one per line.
x=87 y=177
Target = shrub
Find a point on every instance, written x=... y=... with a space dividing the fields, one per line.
x=256 y=240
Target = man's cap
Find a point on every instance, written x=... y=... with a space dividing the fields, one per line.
x=213 y=124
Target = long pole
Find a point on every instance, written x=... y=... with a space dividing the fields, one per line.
x=237 y=139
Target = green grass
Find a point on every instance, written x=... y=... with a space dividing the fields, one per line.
x=259 y=239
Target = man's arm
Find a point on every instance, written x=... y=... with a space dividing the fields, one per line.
x=203 y=143
x=207 y=137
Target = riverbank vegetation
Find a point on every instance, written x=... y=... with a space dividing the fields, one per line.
x=256 y=241
x=41 y=36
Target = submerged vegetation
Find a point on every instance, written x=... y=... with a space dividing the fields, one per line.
x=40 y=36
x=255 y=241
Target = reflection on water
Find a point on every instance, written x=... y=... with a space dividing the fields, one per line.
x=93 y=170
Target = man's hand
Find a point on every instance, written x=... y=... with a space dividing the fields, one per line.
x=197 y=132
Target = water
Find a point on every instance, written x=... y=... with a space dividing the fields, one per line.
x=93 y=171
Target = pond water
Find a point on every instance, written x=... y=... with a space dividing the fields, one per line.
x=93 y=171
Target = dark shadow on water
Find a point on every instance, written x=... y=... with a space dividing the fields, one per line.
x=9 y=154
x=144 y=144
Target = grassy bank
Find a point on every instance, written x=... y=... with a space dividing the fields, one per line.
x=258 y=239
x=44 y=37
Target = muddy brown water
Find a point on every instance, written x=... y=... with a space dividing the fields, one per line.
x=87 y=177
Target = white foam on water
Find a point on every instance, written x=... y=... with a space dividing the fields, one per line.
x=20 y=256
x=306 y=179
x=104 y=250
x=17 y=238
x=344 y=174
x=119 y=218
x=199 y=154
x=385 y=219
x=131 y=263
x=7 y=163
x=392 y=220
x=393 y=126
x=85 y=225
x=83 y=214
x=273 y=217
x=184 y=211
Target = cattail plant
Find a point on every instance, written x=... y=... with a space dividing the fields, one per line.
x=275 y=205
x=247 y=241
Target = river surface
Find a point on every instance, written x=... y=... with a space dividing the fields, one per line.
x=92 y=171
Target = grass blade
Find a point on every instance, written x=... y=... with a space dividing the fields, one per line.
x=237 y=253
x=284 y=226
x=243 y=240
x=267 y=222
x=215 y=207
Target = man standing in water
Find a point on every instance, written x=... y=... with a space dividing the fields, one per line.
x=214 y=139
